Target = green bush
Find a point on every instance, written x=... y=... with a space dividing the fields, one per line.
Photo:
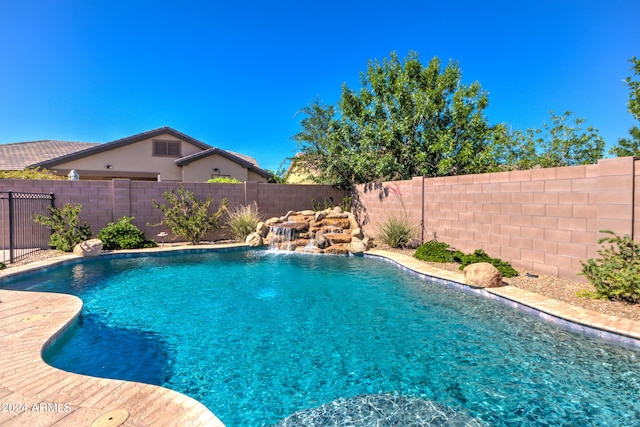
x=616 y=275
x=396 y=232
x=66 y=230
x=435 y=251
x=224 y=180
x=2 y=265
x=187 y=216
x=243 y=221
x=124 y=235
x=481 y=256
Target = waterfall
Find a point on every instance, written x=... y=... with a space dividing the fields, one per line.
x=282 y=239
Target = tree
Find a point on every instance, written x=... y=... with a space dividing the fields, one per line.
x=187 y=216
x=66 y=229
x=626 y=146
x=561 y=142
x=405 y=120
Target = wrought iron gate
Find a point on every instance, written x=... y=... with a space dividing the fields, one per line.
x=21 y=235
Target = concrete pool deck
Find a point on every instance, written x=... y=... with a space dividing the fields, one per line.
x=32 y=393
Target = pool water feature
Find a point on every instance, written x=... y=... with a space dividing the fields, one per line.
x=260 y=338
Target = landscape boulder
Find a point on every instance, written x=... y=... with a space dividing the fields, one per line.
x=88 y=248
x=482 y=275
x=254 y=240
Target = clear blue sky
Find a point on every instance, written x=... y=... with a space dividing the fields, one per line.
x=233 y=74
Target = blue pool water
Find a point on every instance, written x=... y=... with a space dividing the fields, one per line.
x=258 y=337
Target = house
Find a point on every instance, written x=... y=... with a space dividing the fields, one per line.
x=162 y=154
x=298 y=173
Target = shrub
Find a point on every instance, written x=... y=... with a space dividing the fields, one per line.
x=481 y=256
x=396 y=232
x=30 y=173
x=616 y=275
x=345 y=204
x=224 y=180
x=2 y=265
x=243 y=220
x=66 y=230
x=124 y=235
x=187 y=216
x=435 y=251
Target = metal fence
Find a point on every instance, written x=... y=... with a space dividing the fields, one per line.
x=21 y=236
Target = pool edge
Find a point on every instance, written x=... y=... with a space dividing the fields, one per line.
x=611 y=328
x=35 y=393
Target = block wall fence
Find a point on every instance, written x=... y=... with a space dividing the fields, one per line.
x=107 y=201
x=543 y=220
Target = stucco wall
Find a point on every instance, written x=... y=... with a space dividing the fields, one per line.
x=136 y=157
x=107 y=201
x=545 y=220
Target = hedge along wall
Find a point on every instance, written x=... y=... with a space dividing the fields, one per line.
x=543 y=220
x=107 y=201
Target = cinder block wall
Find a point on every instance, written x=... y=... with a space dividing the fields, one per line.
x=107 y=201
x=543 y=220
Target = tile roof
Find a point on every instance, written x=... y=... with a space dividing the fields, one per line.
x=19 y=155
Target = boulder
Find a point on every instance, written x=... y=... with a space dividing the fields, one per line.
x=336 y=222
x=357 y=233
x=321 y=241
x=272 y=221
x=482 y=275
x=336 y=238
x=307 y=212
x=262 y=229
x=357 y=246
x=254 y=240
x=320 y=216
x=336 y=250
x=91 y=247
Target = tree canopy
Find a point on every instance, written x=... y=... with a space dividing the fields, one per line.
x=410 y=120
x=405 y=120
x=631 y=146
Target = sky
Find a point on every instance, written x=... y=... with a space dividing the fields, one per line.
x=235 y=74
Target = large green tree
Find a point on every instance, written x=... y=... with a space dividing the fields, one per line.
x=406 y=120
x=631 y=146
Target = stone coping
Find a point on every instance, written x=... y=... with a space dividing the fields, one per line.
x=612 y=328
x=36 y=394
x=33 y=393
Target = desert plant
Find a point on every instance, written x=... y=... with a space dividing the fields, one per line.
x=396 y=232
x=2 y=265
x=66 y=230
x=616 y=275
x=243 y=220
x=187 y=216
x=124 y=235
x=30 y=173
x=506 y=270
x=435 y=251
x=224 y=180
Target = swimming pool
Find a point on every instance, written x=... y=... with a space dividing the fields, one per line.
x=257 y=337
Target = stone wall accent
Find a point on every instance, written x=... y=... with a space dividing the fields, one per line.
x=328 y=231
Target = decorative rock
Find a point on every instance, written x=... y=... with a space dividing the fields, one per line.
x=336 y=238
x=307 y=212
x=286 y=217
x=272 y=221
x=262 y=229
x=321 y=241
x=88 y=248
x=368 y=242
x=357 y=233
x=482 y=275
x=254 y=240
x=299 y=218
x=320 y=216
x=337 y=210
x=357 y=246
x=336 y=250
x=336 y=222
